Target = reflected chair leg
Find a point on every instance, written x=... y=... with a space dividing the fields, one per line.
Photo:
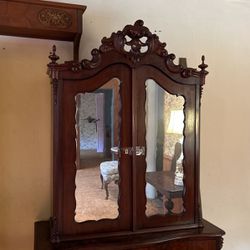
x=164 y=201
x=106 y=189
x=169 y=204
x=101 y=181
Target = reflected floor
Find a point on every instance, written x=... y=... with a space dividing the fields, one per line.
x=156 y=206
x=90 y=198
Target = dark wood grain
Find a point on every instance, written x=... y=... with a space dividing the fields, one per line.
x=207 y=238
x=163 y=182
x=132 y=229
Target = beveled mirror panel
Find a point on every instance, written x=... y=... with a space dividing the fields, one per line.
x=97 y=162
x=164 y=155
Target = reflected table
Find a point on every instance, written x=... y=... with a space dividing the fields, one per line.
x=163 y=181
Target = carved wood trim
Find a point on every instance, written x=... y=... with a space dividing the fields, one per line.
x=53 y=73
x=219 y=244
x=135 y=42
x=135 y=45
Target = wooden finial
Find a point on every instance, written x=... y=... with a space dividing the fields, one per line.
x=203 y=73
x=203 y=66
x=53 y=57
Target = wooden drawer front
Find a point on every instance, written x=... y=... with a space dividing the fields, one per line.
x=184 y=245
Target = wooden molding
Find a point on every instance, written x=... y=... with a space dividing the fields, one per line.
x=42 y=19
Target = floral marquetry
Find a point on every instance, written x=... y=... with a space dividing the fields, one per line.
x=55 y=18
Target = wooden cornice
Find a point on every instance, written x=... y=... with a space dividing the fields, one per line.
x=42 y=19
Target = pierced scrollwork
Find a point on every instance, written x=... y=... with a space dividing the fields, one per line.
x=136 y=45
x=134 y=41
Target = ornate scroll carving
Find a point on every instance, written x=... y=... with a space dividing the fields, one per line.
x=135 y=42
x=136 y=45
x=179 y=69
x=55 y=18
x=96 y=59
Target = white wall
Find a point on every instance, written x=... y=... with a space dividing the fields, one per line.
x=220 y=30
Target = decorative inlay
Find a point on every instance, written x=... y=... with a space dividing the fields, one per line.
x=55 y=18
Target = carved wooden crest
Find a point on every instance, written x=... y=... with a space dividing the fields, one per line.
x=135 y=43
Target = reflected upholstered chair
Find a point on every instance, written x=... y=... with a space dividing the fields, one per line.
x=108 y=173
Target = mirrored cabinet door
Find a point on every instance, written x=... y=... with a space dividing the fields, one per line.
x=164 y=177
x=97 y=155
x=164 y=155
x=126 y=139
x=97 y=173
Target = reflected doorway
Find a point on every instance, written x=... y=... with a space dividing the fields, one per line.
x=97 y=163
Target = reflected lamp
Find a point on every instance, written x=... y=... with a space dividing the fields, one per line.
x=176 y=125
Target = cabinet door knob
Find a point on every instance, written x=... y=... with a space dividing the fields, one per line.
x=139 y=150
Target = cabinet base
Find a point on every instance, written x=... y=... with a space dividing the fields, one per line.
x=207 y=238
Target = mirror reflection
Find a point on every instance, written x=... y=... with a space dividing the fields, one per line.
x=97 y=140
x=164 y=157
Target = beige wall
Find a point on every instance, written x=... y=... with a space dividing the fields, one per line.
x=217 y=28
x=25 y=138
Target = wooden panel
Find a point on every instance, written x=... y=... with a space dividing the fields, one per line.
x=40 y=19
x=133 y=67
x=208 y=238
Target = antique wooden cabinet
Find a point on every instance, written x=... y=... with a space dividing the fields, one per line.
x=126 y=150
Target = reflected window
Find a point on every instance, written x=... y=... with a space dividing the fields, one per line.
x=97 y=163
x=164 y=156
